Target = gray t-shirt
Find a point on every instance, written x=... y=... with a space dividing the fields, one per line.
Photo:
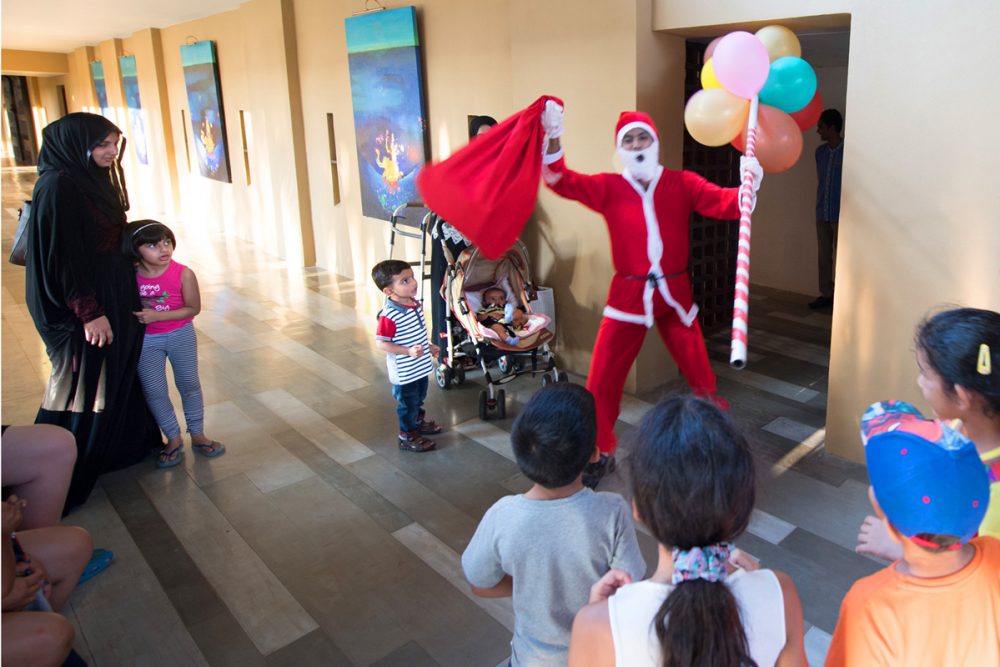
x=555 y=550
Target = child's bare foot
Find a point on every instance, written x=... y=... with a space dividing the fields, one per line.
x=874 y=540
x=172 y=454
x=206 y=446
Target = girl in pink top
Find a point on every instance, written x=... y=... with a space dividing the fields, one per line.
x=170 y=299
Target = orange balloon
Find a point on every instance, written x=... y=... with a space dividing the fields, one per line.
x=779 y=42
x=714 y=116
x=779 y=139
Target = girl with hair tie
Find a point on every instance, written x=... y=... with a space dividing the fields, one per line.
x=693 y=488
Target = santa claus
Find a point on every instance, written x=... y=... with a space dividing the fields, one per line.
x=647 y=210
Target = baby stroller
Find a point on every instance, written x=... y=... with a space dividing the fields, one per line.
x=466 y=343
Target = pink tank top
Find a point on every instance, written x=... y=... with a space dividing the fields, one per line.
x=163 y=293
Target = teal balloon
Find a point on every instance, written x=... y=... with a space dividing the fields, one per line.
x=790 y=85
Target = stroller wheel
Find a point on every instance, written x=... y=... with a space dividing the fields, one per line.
x=504 y=364
x=562 y=376
x=547 y=379
x=484 y=412
x=442 y=375
x=459 y=373
x=501 y=404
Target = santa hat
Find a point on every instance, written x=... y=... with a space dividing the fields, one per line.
x=629 y=120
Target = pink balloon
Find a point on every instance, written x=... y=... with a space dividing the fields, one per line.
x=779 y=139
x=741 y=63
x=710 y=49
x=807 y=116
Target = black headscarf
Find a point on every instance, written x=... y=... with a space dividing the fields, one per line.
x=66 y=146
x=478 y=122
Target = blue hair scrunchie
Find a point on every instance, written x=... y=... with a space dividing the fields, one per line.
x=708 y=563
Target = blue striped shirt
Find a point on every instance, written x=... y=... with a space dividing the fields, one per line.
x=829 y=165
x=404 y=325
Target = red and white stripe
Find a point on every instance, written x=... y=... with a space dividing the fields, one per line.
x=741 y=301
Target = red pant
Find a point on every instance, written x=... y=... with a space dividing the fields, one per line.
x=615 y=350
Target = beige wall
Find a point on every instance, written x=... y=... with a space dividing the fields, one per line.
x=253 y=75
x=34 y=63
x=154 y=186
x=919 y=219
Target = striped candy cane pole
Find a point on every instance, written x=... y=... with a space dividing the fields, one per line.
x=741 y=301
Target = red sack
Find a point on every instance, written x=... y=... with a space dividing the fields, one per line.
x=487 y=190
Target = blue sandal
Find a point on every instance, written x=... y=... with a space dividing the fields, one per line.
x=209 y=449
x=168 y=458
x=99 y=561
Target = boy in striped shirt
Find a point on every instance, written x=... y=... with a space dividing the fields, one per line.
x=402 y=335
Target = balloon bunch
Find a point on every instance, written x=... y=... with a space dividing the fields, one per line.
x=768 y=65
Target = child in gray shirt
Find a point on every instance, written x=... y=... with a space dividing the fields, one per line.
x=548 y=546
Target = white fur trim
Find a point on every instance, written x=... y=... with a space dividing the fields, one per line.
x=613 y=313
x=632 y=126
x=553 y=157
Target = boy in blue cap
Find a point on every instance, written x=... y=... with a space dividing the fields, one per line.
x=939 y=604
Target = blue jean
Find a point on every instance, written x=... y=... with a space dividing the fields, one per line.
x=410 y=399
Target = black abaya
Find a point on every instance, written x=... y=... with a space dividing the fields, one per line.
x=76 y=272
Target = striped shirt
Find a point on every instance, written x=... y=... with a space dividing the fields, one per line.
x=404 y=325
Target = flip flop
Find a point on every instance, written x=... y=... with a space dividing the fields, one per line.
x=99 y=561
x=168 y=458
x=209 y=449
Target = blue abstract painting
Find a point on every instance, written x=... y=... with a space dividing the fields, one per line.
x=100 y=87
x=208 y=122
x=130 y=82
x=388 y=99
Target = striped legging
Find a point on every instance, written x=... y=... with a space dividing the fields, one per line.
x=181 y=347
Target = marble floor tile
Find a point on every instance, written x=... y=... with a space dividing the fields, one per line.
x=124 y=615
x=448 y=564
x=768 y=384
x=267 y=612
x=338 y=445
x=817 y=646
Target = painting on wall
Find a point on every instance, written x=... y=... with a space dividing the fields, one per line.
x=130 y=82
x=208 y=122
x=97 y=71
x=388 y=99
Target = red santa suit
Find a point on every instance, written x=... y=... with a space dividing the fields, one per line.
x=649 y=248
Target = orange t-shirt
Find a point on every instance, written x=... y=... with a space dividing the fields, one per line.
x=890 y=618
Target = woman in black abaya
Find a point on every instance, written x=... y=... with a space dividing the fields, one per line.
x=81 y=293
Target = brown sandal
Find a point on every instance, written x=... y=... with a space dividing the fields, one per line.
x=429 y=427
x=414 y=442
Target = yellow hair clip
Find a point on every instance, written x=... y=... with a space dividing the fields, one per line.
x=984 y=366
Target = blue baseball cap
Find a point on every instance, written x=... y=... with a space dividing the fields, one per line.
x=927 y=477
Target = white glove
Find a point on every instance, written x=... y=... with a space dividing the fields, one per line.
x=552 y=119
x=756 y=171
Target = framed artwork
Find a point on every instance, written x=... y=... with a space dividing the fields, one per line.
x=387 y=94
x=97 y=71
x=130 y=82
x=208 y=122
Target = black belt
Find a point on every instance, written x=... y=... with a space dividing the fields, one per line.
x=653 y=278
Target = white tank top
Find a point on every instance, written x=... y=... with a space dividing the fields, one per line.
x=762 y=607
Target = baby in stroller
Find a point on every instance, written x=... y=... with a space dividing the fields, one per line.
x=504 y=318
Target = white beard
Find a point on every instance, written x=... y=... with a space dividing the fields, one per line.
x=641 y=164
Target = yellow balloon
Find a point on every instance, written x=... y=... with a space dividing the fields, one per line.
x=715 y=116
x=708 y=79
x=779 y=41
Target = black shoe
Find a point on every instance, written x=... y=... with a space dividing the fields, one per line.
x=821 y=302
x=593 y=473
